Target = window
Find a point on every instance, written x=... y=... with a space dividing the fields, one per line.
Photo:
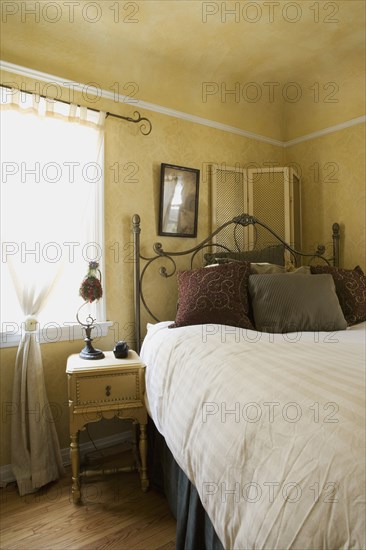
x=51 y=210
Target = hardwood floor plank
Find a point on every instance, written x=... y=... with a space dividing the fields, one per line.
x=115 y=514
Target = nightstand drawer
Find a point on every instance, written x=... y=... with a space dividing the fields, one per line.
x=121 y=387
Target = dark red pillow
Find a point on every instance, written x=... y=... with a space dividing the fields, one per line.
x=214 y=295
x=351 y=290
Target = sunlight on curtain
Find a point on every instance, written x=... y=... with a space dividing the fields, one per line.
x=52 y=183
x=52 y=180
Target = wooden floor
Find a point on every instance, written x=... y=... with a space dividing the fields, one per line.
x=114 y=514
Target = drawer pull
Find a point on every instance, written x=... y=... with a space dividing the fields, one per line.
x=108 y=390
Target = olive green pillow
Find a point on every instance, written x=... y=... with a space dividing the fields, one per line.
x=284 y=303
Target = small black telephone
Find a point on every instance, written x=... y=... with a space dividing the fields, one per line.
x=121 y=350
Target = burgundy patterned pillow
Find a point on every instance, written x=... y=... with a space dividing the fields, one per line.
x=214 y=295
x=351 y=290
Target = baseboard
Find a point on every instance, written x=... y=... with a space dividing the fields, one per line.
x=6 y=472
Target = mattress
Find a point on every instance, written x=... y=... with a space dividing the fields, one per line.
x=270 y=429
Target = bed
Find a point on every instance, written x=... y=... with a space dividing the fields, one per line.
x=258 y=420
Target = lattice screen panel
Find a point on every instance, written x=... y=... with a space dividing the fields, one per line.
x=269 y=206
x=297 y=241
x=229 y=201
x=271 y=195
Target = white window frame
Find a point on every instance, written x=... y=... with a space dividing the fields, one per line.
x=70 y=331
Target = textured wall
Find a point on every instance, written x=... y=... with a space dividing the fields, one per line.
x=333 y=190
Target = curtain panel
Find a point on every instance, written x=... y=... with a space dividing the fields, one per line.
x=46 y=146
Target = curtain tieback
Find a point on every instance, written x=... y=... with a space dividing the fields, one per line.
x=30 y=323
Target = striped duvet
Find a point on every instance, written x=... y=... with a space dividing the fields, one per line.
x=269 y=428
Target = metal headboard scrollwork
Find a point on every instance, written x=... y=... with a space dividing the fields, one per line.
x=243 y=220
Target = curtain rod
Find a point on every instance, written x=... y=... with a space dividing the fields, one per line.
x=145 y=129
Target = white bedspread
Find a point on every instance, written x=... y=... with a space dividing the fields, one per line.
x=269 y=428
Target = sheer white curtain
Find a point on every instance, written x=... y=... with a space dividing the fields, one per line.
x=52 y=171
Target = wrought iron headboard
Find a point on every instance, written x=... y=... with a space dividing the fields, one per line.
x=243 y=220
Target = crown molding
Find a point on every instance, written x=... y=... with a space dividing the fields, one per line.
x=126 y=100
x=325 y=131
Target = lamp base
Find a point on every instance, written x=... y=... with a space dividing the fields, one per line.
x=89 y=352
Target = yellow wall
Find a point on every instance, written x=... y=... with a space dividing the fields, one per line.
x=333 y=190
x=172 y=141
x=323 y=104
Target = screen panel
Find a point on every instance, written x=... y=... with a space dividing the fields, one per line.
x=229 y=200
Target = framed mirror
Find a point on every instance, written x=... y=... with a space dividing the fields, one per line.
x=178 y=201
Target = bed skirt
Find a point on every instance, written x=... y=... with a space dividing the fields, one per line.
x=194 y=528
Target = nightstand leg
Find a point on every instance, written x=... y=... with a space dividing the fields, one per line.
x=75 y=467
x=143 y=455
x=134 y=444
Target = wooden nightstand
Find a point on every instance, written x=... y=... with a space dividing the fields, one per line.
x=105 y=388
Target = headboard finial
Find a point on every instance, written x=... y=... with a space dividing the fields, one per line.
x=336 y=229
x=136 y=220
